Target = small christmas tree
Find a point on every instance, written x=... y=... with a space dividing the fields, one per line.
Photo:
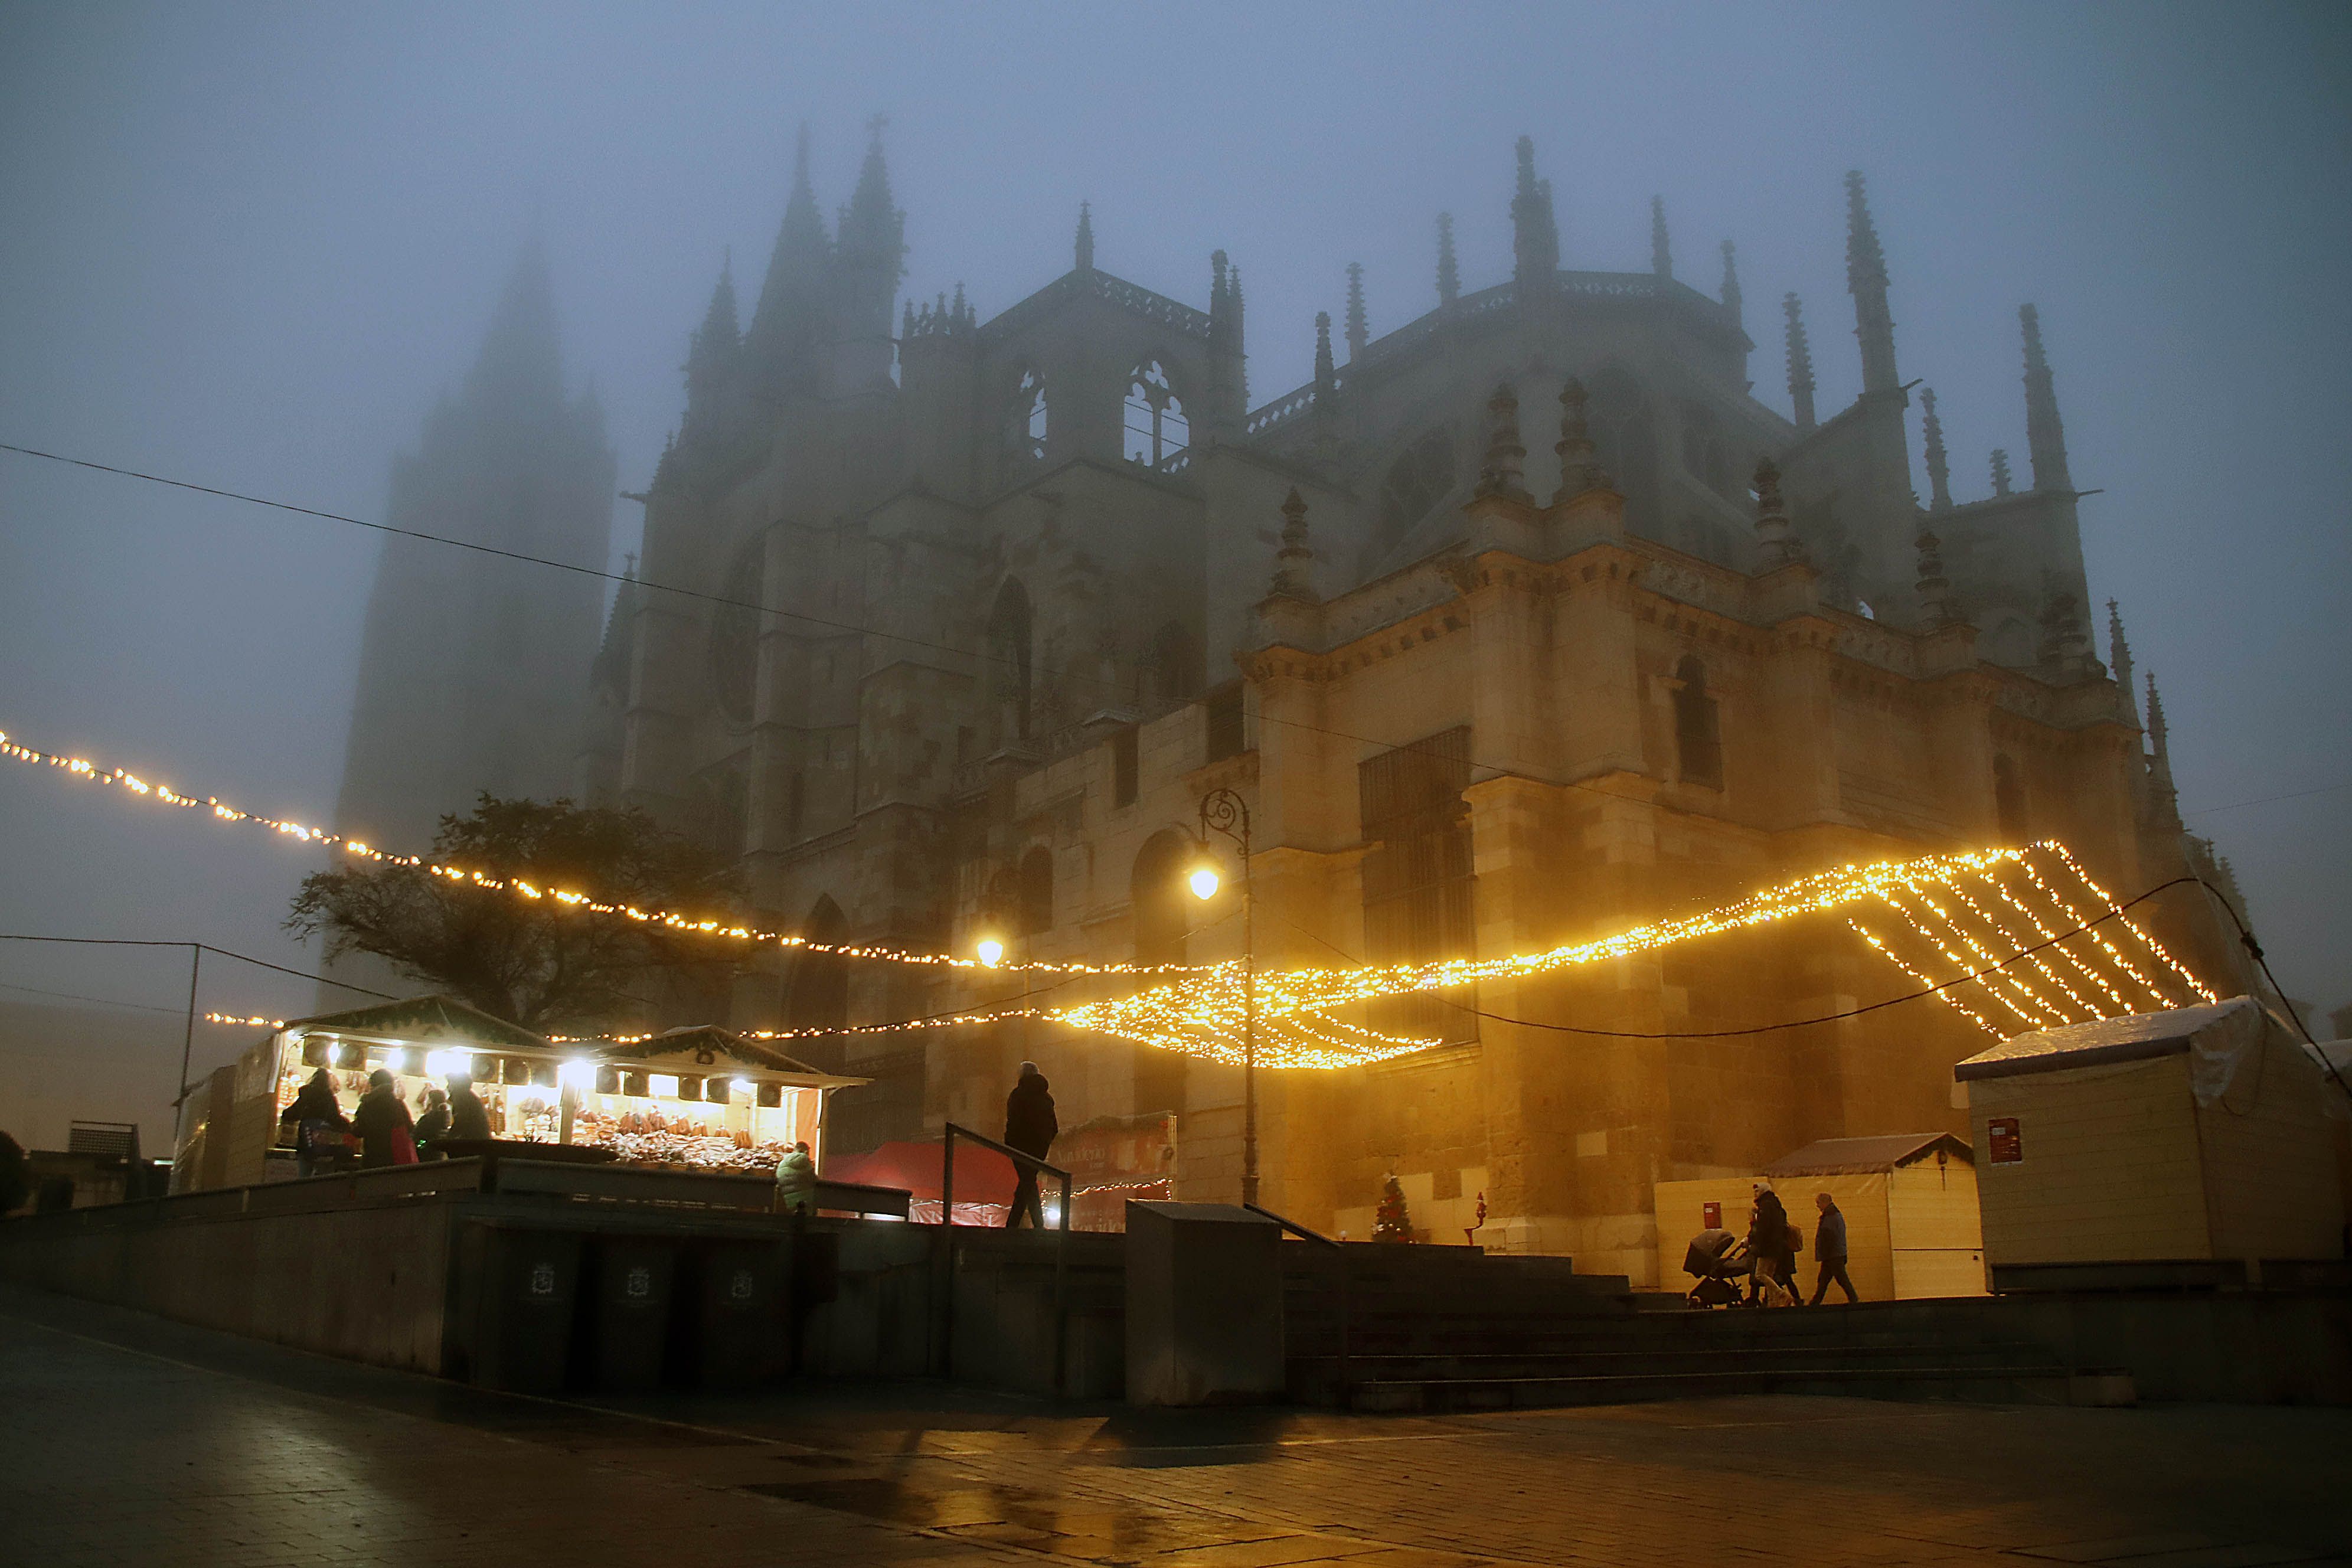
x=1390 y=1221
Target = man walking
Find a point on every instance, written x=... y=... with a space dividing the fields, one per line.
x=1828 y=1249
x=1030 y=1127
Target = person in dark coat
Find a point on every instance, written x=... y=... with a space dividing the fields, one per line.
x=1768 y=1241
x=1030 y=1127
x=319 y=1123
x=433 y=1126
x=380 y=1113
x=1828 y=1249
x=469 y=1117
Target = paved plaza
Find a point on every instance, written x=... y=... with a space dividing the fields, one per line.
x=128 y=1439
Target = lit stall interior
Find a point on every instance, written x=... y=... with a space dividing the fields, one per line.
x=701 y=1099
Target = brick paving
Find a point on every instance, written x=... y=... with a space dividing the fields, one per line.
x=124 y=1438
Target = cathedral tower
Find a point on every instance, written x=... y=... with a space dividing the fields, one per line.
x=469 y=666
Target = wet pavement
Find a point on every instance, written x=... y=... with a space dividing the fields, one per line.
x=125 y=1438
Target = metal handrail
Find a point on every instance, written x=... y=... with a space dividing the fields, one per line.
x=1339 y=1258
x=951 y=1133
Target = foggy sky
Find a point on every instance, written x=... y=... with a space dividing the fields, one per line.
x=251 y=244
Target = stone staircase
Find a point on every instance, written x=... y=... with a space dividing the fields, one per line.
x=1450 y=1328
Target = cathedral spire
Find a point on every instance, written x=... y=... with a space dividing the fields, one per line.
x=1731 y=300
x=710 y=358
x=784 y=321
x=1325 y=378
x=1086 y=245
x=1937 y=610
x=1775 y=543
x=1506 y=457
x=1999 y=472
x=2119 y=660
x=1359 y=330
x=1449 y=275
x=1865 y=279
x=520 y=358
x=2044 y=436
x=1662 y=255
x=1535 y=232
x=2160 y=759
x=1800 y=364
x=1939 y=467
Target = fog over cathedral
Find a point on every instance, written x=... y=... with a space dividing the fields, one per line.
x=1524 y=620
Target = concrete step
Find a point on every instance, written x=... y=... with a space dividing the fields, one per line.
x=1376 y=1367
x=1992 y=1383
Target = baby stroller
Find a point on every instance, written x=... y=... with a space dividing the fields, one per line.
x=1718 y=1260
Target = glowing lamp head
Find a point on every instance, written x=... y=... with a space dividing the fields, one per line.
x=991 y=951
x=744 y=1086
x=396 y=1059
x=1204 y=882
x=577 y=1073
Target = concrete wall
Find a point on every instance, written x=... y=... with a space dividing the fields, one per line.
x=366 y=1284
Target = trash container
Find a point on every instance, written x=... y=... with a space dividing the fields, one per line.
x=627 y=1284
x=733 y=1312
x=517 y=1289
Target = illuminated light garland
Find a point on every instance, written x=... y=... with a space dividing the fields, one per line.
x=2108 y=900
x=1205 y=1013
x=2041 y=928
x=91 y=773
x=1948 y=995
x=257 y=1021
x=1959 y=964
x=2066 y=908
x=2001 y=928
x=2037 y=1011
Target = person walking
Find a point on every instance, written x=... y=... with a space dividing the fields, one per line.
x=1768 y=1243
x=383 y=1123
x=469 y=1119
x=1030 y=1127
x=434 y=1125
x=796 y=1180
x=318 y=1124
x=1828 y=1249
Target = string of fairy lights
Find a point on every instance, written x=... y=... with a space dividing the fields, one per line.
x=219 y=810
x=1958 y=912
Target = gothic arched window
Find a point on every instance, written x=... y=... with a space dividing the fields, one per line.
x=1156 y=895
x=1698 y=743
x=1157 y=427
x=2009 y=801
x=1009 y=655
x=1037 y=892
x=1025 y=424
x=735 y=637
x=1705 y=456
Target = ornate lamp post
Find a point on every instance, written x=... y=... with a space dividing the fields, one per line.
x=1225 y=812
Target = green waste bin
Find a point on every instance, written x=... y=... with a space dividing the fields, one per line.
x=734 y=1312
x=517 y=1290
x=627 y=1288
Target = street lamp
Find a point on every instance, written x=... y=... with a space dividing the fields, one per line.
x=1225 y=812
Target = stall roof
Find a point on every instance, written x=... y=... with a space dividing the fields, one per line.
x=1862 y=1156
x=440 y=1016
x=701 y=1043
x=2142 y=1037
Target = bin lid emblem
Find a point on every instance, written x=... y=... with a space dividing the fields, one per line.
x=641 y=1282
x=543 y=1279
x=740 y=1287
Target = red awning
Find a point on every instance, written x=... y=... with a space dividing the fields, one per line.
x=982 y=1175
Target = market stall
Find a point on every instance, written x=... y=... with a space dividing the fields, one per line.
x=703 y=1099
